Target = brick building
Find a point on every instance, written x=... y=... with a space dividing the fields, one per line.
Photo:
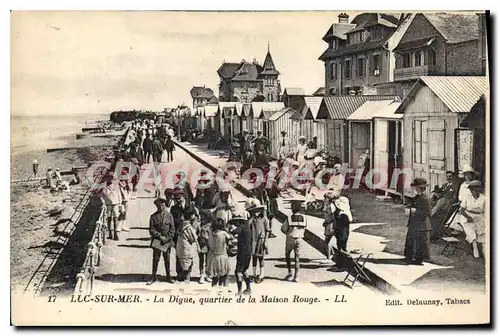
x=246 y=82
x=439 y=44
x=356 y=59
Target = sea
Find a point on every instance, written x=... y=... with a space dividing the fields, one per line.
x=32 y=133
x=31 y=136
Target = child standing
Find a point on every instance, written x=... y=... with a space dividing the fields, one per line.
x=218 y=261
x=244 y=252
x=294 y=227
x=203 y=231
x=187 y=245
x=260 y=230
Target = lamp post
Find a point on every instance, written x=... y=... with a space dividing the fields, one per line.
x=179 y=122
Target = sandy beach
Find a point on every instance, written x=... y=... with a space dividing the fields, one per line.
x=32 y=229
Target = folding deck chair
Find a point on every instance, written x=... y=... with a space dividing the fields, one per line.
x=355 y=268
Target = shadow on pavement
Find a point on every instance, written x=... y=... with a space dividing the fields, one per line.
x=329 y=283
x=140 y=239
x=134 y=246
x=388 y=261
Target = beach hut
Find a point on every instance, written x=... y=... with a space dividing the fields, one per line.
x=313 y=129
x=246 y=117
x=210 y=113
x=433 y=110
x=225 y=112
x=261 y=112
x=279 y=122
x=470 y=139
x=334 y=110
x=376 y=127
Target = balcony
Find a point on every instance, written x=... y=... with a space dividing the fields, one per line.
x=415 y=72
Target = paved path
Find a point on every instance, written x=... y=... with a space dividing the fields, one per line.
x=388 y=267
x=126 y=264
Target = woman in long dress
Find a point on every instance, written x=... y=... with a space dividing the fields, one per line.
x=301 y=150
x=472 y=214
x=417 y=245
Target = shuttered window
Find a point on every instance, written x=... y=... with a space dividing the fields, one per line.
x=420 y=141
x=437 y=141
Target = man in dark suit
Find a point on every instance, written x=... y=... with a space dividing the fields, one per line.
x=162 y=229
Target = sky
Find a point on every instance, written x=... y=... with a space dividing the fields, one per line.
x=97 y=62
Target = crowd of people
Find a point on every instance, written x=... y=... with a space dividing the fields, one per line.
x=207 y=222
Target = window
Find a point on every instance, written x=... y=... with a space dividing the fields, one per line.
x=361 y=67
x=431 y=57
x=420 y=141
x=376 y=33
x=406 y=60
x=348 y=69
x=376 y=65
x=356 y=37
x=418 y=58
x=333 y=44
x=333 y=70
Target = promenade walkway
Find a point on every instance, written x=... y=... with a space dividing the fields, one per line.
x=126 y=264
x=388 y=270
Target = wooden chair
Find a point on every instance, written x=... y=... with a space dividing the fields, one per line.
x=454 y=244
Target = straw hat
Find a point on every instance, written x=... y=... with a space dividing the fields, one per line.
x=256 y=206
x=475 y=184
x=468 y=169
x=302 y=137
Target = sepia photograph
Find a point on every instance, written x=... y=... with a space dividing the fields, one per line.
x=250 y=168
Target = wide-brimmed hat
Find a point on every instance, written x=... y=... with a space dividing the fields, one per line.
x=255 y=205
x=283 y=132
x=302 y=137
x=295 y=163
x=468 y=169
x=245 y=131
x=342 y=203
x=337 y=166
x=475 y=184
x=419 y=182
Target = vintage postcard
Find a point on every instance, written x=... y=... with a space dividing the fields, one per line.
x=250 y=168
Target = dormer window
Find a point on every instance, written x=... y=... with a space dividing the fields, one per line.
x=356 y=37
x=333 y=44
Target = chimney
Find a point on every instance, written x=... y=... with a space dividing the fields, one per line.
x=243 y=60
x=343 y=18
